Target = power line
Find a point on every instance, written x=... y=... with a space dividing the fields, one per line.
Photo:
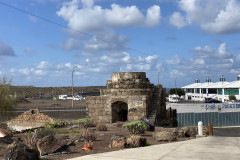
x=72 y=29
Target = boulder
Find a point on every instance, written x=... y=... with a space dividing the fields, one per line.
x=136 y=141
x=20 y=151
x=151 y=127
x=50 y=144
x=118 y=141
x=6 y=140
x=188 y=131
x=164 y=136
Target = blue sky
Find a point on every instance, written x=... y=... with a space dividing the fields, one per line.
x=181 y=39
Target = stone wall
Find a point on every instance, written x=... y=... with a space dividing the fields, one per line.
x=131 y=89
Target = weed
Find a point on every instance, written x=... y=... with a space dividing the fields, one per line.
x=75 y=131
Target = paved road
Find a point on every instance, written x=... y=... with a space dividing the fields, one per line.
x=225 y=145
x=207 y=148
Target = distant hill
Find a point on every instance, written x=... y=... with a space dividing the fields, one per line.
x=31 y=91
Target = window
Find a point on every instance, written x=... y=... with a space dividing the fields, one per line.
x=220 y=91
x=231 y=91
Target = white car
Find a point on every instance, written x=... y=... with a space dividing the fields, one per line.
x=173 y=99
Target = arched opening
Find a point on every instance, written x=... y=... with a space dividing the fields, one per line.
x=119 y=111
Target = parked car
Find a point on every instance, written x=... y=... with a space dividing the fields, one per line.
x=207 y=100
x=213 y=101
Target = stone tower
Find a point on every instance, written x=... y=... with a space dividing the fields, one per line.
x=129 y=96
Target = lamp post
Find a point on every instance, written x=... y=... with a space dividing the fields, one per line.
x=158 y=78
x=72 y=83
x=175 y=86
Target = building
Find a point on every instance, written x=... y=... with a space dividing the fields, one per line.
x=129 y=96
x=218 y=90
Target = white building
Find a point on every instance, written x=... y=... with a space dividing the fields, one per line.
x=218 y=90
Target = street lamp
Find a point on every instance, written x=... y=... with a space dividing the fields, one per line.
x=158 y=78
x=175 y=86
x=72 y=83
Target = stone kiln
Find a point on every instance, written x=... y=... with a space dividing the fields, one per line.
x=129 y=96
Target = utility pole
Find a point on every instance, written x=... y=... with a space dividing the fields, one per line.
x=175 y=86
x=72 y=83
x=158 y=78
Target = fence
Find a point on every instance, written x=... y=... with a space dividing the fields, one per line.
x=217 y=119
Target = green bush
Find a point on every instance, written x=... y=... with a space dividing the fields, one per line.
x=232 y=97
x=85 y=122
x=6 y=103
x=42 y=132
x=136 y=127
x=55 y=124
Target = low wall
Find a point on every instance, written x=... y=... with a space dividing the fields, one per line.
x=204 y=107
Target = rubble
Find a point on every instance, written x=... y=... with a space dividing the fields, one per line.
x=29 y=120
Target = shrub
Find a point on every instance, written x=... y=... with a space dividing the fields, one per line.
x=136 y=127
x=85 y=122
x=6 y=103
x=30 y=139
x=232 y=97
x=55 y=124
x=88 y=135
x=42 y=132
x=101 y=127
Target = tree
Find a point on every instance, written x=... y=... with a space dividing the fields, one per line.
x=6 y=103
x=180 y=92
x=232 y=97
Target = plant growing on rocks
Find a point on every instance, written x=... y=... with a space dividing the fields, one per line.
x=136 y=127
x=85 y=123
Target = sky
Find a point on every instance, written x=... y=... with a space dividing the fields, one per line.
x=177 y=40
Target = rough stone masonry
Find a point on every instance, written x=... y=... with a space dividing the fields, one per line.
x=129 y=96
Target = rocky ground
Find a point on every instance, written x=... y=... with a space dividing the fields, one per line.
x=68 y=134
x=101 y=144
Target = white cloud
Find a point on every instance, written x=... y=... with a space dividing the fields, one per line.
x=217 y=17
x=175 y=60
x=206 y=61
x=87 y=17
x=178 y=20
x=43 y=65
x=24 y=71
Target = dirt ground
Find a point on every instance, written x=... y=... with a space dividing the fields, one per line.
x=99 y=146
x=48 y=103
x=103 y=137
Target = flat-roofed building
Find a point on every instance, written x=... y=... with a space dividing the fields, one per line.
x=218 y=90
